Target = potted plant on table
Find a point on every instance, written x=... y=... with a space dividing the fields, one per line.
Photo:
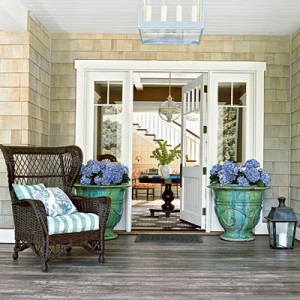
x=238 y=197
x=165 y=157
x=104 y=178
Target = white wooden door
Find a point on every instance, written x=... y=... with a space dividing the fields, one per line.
x=193 y=161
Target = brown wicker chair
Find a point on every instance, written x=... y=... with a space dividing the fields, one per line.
x=54 y=167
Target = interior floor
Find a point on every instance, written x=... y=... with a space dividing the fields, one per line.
x=141 y=219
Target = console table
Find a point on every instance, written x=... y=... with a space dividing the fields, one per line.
x=167 y=196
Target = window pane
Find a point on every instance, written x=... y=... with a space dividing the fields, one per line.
x=232 y=93
x=230 y=137
x=224 y=93
x=100 y=95
x=108 y=130
x=239 y=93
x=108 y=92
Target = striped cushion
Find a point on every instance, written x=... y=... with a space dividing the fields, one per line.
x=76 y=222
x=25 y=191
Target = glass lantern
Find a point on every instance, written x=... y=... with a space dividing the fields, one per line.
x=282 y=223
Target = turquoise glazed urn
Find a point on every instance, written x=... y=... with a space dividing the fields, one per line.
x=116 y=194
x=238 y=210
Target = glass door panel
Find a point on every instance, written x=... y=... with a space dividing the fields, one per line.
x=231 y=120
x=108 y=118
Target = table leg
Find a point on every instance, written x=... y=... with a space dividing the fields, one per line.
x=167 y=207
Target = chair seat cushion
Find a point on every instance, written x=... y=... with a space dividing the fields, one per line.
x=56 y=202
x=75 y=222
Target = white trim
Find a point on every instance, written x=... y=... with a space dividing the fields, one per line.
x=253 y=145
x=7 y=236
x=188 y=66
x=85 y=69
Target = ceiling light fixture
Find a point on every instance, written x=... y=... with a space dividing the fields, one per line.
x=169 y=111
x=169 y=22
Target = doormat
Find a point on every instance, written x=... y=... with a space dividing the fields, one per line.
x=169 y=238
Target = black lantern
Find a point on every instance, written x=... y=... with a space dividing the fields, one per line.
x=282 y=223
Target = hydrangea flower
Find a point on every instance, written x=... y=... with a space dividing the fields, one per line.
x=103 y=173
x=250 y=173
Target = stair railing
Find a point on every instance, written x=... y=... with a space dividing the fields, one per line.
x=155 y=127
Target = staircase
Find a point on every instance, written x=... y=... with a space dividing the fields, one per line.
x=150 y=125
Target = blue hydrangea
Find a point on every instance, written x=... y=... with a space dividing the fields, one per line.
x=103 y=173
x=265 y=177
x=252 y=175
x=85 y=180
x=252 y=163
x=215 y=169
x=243 y=181
x=249 y=173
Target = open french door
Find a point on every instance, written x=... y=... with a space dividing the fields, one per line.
x=193 y=161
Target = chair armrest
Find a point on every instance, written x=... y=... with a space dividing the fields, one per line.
x=31 y=214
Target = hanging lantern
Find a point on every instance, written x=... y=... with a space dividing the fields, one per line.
x=282 y=223
x=172 y=22
x=169 y=110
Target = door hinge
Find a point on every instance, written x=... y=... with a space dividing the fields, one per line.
x=204 y=211
x=204 y=129
x=205 y=89
x=204 y=171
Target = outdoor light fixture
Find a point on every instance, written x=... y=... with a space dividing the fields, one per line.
x=282 y=223
x=169 y=110
x=170 y=21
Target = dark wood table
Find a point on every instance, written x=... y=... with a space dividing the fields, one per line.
x=167 y=195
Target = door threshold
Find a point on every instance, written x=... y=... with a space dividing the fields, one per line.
x=136 y=232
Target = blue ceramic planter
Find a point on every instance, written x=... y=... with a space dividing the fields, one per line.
x=238 y=209
x=116 y=193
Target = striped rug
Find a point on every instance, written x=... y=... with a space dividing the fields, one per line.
x=141 y=219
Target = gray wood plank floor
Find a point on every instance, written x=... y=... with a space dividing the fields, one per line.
x=214 y=269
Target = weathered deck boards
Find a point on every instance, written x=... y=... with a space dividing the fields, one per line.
x=214 y=269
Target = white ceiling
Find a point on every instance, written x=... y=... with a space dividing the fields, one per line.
x=233 y=17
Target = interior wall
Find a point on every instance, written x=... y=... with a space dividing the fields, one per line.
x=295 y=123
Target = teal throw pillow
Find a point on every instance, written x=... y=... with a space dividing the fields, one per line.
x=25 y=191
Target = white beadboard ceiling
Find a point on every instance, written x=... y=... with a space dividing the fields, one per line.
x=222 y=17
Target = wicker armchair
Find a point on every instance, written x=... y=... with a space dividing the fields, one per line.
x=54 y=167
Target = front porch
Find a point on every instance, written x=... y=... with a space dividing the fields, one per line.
x=214 y=269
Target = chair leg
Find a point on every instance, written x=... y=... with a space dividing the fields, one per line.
x=101 y=259
x=16 y=254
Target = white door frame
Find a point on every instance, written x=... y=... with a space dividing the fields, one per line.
x=85 y=67
x=254 y=116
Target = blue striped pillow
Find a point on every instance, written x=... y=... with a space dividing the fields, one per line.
x=26 y=191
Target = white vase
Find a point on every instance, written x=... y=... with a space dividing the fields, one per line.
x=165 y=171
